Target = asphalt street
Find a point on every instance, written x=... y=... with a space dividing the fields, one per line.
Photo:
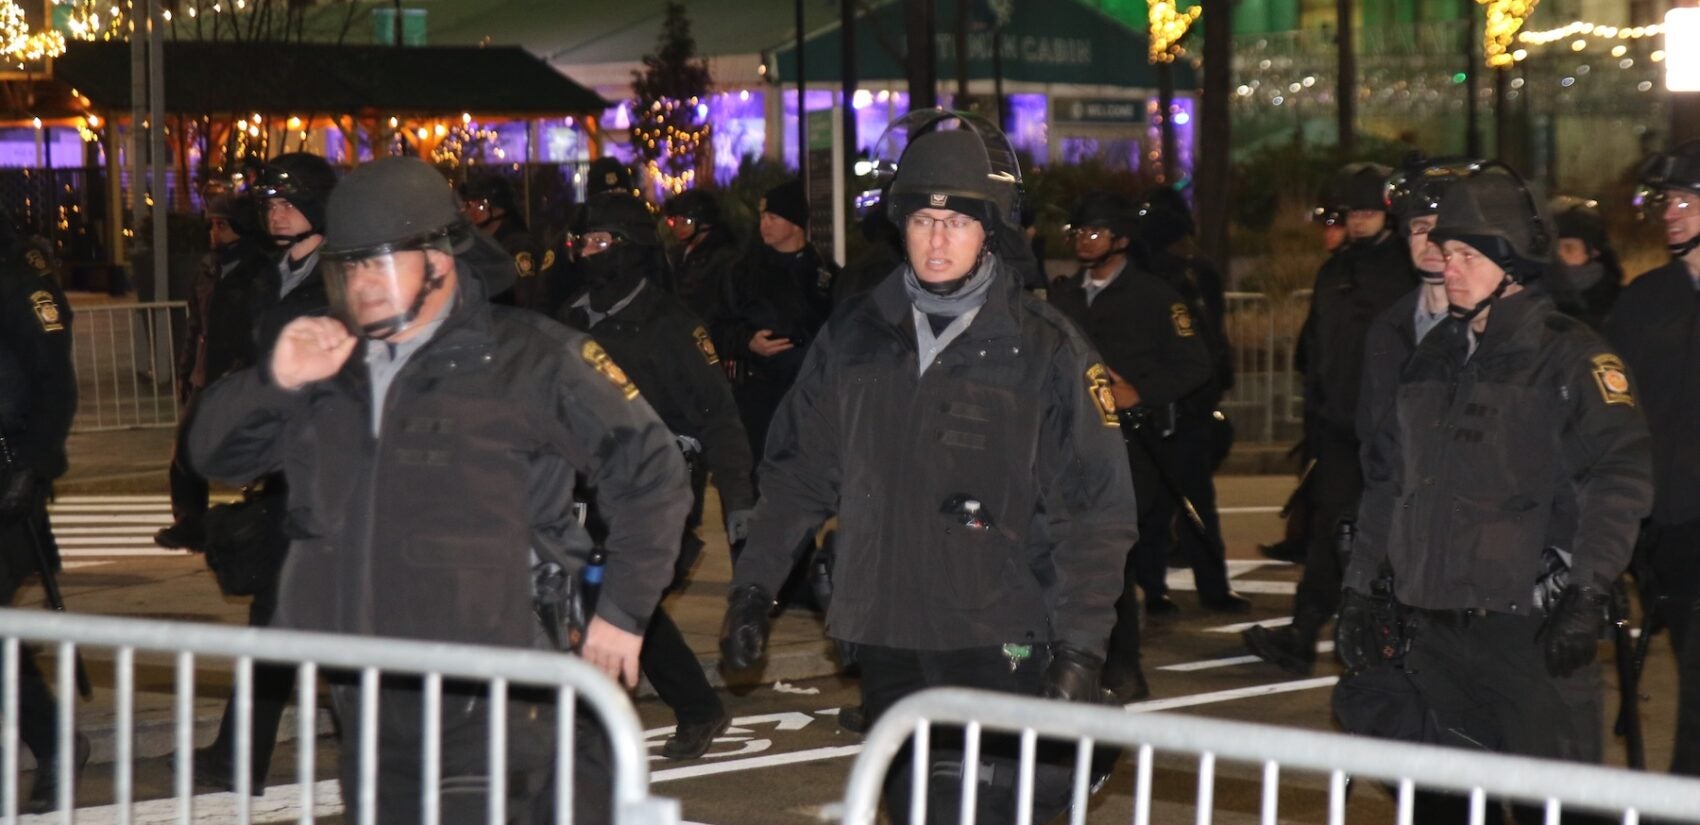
x=785 y=758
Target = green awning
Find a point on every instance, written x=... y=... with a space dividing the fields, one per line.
x=1044 y=41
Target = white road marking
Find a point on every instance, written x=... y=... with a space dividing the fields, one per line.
x=1247 y=511
x=1235 y=693
x=1241 y=626
x=1211 y=664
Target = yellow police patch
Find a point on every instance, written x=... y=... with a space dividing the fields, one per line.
x=1182 y=320
x=548 y=259
x=522 y=262
x=47 y=311
x=1612 y=380
x=598 y=359
x=1098 y=386
x=705 y=346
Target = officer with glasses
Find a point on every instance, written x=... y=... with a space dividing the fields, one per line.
x=1503 y=492
x=1654 y=326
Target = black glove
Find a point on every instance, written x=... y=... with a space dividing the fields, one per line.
x=1570 y=637
x=1073 y=674
x=743 y=635
x=17 y=493
x=1357 y=632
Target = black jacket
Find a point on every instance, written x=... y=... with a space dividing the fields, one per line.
x=38 y=387
x=1200 y=285
x=426 y=531
x=1145 y=332
x=1011 y=415
x=221 y=332
x=1354 y=286
x=697 y=275
x=530 y=290
x=273 y=312
x=1656 y=326
x=668 y=354
x=789 y=293
x=1534 y=441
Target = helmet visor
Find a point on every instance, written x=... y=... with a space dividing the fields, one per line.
x=379 y=295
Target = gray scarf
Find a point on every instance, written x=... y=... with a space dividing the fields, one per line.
x=970 y=296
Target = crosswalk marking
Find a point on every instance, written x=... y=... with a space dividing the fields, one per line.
x=105 y=526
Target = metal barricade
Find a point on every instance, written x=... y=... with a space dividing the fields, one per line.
x=573 y=684
x=1251 y=341
x=125 y=359
x=1270 y=750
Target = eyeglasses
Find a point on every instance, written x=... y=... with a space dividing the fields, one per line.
x=477 y=205
x=955 y=225
x=680 y=220
x=591 y=242
x=1078 y=235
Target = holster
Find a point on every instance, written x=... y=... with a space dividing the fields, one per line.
x=560 y=601
x=1397 y=624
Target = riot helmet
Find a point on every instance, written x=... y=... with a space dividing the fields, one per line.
x=486 y=194
x=1413 y=193
x=1164 y=218
x=1669 y=178
x=304 y=181
x=385 y=219
x=983 y=168
x=1098 y=222
x=691 y=212
x=1492 y=210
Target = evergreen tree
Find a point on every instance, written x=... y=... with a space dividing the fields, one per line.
x=670 y=127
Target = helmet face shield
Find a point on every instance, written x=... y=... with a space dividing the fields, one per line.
x=378 y=295
x=875 y=174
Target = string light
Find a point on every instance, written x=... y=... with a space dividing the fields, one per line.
x=18 y=44
x=1504 y=18
x=1581 y=28
x=1167 y=27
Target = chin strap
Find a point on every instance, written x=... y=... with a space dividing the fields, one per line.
x=396 y=323
x=1681 y=250
x=1468 y=315
x=1428 y=277
x=291 y=240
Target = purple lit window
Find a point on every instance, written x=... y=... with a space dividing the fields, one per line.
x=739 y=129
x=1028 y=129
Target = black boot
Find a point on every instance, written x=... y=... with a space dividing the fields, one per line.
x=44 y=792
x=1291 y=648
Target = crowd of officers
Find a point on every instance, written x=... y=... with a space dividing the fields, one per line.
x=445 y=431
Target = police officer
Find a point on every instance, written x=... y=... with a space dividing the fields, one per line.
x=1586 y=276
x=291 y=191
x=38 y=397
x=966 y=436
x=289 y=194
x=705 y=254
x=667 y=353
x=1154 y=358
x=1413 y=197
x=1502 y=498
x=1653 y=325
x=456 y=429
x=1357 y=283
x=774 y=303
x=220 y=339
x=489 y=204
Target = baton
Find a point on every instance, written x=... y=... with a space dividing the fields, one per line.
x=1163 y=477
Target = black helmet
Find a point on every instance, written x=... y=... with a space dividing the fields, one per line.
x=1579 y=218
x=493 y=188
x=1491 y=209
x=1416 y=188
x=1165 y=217
x=303 y=179
x=391 y=204
x=608 y=174
x=976 y=164
x=1676 y=169
x=622 y=215
x=1360 y=186
x=1106 y=210
x=950 y=170
x=696 y=204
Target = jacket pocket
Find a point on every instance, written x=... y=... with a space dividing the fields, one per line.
x=974 y=568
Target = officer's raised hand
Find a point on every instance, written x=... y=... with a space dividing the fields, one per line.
x=310 y=349
x=612 y=651
x=1570 y=637
x=743 y=635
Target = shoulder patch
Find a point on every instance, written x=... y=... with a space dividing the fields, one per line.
x=705 y=345
x=522 y=262
x=47 y=311
x=598 y=359
x=1182 y=320
x=1098 y=386
x=1612 y=380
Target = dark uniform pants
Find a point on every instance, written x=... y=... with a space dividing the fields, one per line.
x=464 y=773
x=1148 y=560
x=38 y=713
x=1477 y=681
x=890 y=674
x=1187 y=457
x=676 y=673
x=189 y=489
x=1336 y=483
x=273 y=685
x=1673 y=553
